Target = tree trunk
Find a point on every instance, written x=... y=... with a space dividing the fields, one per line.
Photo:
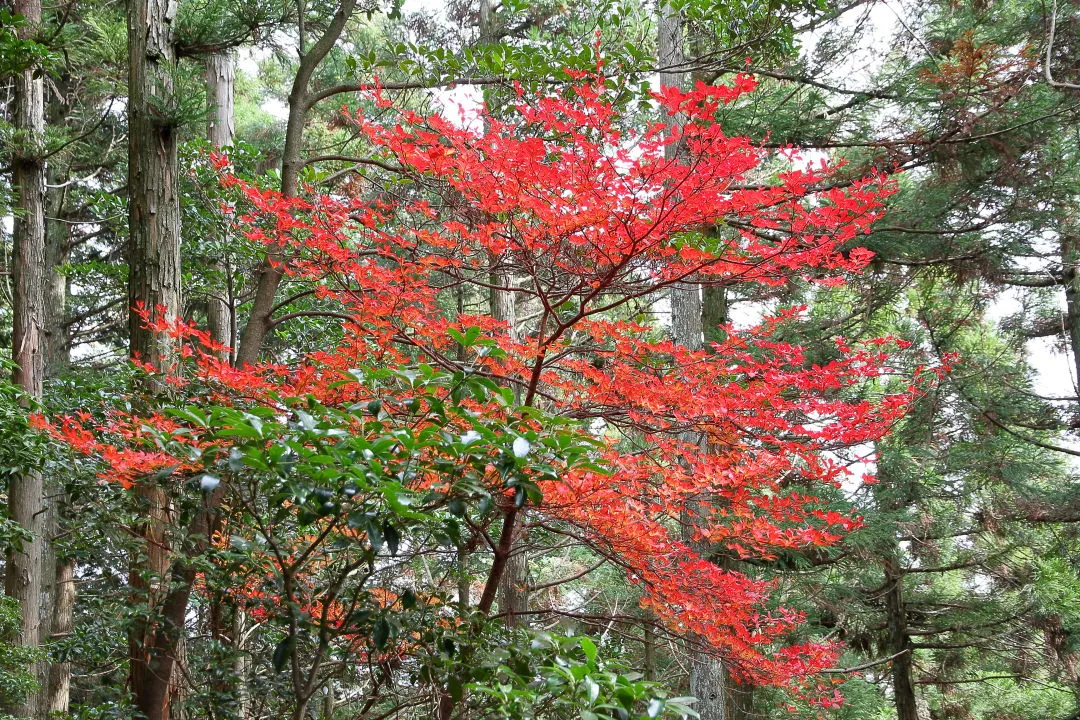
x=648 y=643
x=240 y=664
x=714 y=313
x=691 y=319
x=269 y=278
x=151 y=663
x=57 y=249
x=58 y=597
x=26 y=490
x=153 y=284
x=153 y=183
x=219 y=132
x=899 y=642
x=328 y=702
x=514 y=584
x=59 y=689
x=1070 y=272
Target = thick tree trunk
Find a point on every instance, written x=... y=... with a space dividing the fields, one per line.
x=219 y=132
x=151 y=659
x=58 y=596
x=899 y=642
x=154 y=284
x=514 y=584
x=648 y=642
x=714 y=313
x=29 y=321
x=708 y=683
x=707 y=676
x=153 y=183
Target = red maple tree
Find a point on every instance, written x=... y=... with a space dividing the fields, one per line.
x=586 y=217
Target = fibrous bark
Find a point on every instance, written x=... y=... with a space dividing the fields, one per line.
x=26 y=490
x=153 y=284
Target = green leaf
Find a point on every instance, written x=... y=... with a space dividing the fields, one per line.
x=589 y=648
x=283 y=652
x=408 y=599
x=380 y=633
x=392 y=537
x=374 y=535
x=455 y=688
x=592 y=689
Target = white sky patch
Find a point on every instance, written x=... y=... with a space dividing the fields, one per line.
x=430 y=7
x=461 y=105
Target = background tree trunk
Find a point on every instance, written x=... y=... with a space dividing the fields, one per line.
x=1070 y=273
x=691 y=319
x=57 y=249
x=269 y=278
x=59 y=571
x=899 y=642
x=219 y=132
x=514 y=584
x=59 y=689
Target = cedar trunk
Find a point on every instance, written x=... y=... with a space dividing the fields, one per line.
x=899 y=642
x=710 y=680
x=153 y=283
x=59 y=689
x=59 y=599
x=153 y=183
x=25 y=490
x=514 y=584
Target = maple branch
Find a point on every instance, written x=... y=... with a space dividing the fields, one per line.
x=291 y=299
x=498 y=566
